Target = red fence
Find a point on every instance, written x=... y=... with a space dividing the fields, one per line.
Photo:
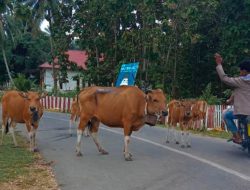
x=214 y=116
x=63 y=104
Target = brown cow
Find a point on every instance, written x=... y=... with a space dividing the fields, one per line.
x=179 y=112
x=21 y=107
x=123 y=107
x=75 y=112
x=199 y=110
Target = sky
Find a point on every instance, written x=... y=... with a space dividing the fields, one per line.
x=44 y=25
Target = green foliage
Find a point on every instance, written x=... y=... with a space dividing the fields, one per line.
x=13 y=162
x=1 y=95
x=208 y=96
x=70 y=94
x=23 y=84
x=174 y=41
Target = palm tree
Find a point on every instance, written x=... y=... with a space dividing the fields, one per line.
x=46 y=9
x=5 y=9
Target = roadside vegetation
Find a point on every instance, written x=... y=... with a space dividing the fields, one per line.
x=216 y=132
x=21 y=169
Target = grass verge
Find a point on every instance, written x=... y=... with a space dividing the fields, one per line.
x=211 y=133
x=21 y=169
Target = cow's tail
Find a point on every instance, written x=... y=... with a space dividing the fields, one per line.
x=89 y=125
x=7 y=127
x=77 y=98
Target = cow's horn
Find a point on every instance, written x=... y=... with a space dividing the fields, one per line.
x=23 y=94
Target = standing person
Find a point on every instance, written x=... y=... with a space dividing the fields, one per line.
x=241 y=94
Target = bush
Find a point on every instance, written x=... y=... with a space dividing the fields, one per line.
x=1 y=95
x=208 y=96
x=23 y=84
x=70 y=94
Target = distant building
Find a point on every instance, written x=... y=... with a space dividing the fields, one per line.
x=76 y=56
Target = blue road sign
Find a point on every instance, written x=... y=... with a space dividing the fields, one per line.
x=127 y=74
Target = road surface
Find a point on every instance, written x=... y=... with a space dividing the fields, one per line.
x=211 y=163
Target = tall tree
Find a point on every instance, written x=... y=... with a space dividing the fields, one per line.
x=5 y=10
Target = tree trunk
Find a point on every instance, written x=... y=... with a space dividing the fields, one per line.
x=54 y=72
x=7 y=67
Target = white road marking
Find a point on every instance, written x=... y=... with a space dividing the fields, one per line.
x=215 y=165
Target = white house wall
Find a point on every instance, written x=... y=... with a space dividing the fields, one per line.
x=71 y=85
x=48 y=80
x=49 y=83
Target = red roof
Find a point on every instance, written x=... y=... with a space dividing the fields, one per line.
x=76 y=56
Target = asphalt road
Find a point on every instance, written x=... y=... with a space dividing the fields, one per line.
x=211 y=163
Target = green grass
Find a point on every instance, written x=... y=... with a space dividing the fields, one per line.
x=14 y=161
x=212 y=133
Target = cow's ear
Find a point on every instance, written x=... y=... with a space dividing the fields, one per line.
x=44 y=94
x=23 y=94
x=159 y=90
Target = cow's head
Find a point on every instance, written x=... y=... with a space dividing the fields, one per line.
x=156 y=102
x=33 y=100
x=186 y=108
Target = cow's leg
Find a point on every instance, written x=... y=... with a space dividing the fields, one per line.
x=13 y=126
x=201 y=124
x=31 y=140
x=182 y=136
x=34 y=129
x=31 y=135
x=3 y=131
x=70 y=127
x=197 y=124
x=176 y=134
x=127 y=134
x=168 y=125
x=193 y=125
x=182 y=139
x=82 y=124
x=79 y=138
x=169 y=129
x=4 y=126
x=78 y=145
x=86 y=131
x=188 y=140
x=94 y=133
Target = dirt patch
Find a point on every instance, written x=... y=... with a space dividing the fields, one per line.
x=39 y=176
x=21 y=169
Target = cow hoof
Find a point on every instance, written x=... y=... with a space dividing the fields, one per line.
x=167 y=141
x=177 y=142
x=79 y=154
x=128 y=157
x=188 y=146
x=182 y=146
x=103 y=152
x=87 y=135
x=35 y=150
